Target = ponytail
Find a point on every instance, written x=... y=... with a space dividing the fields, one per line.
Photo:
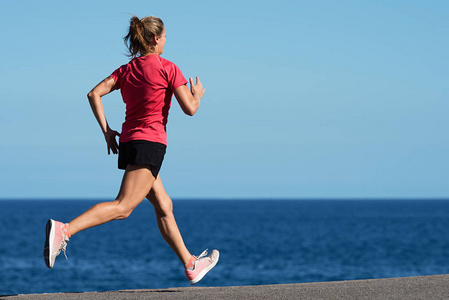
x=141 y=33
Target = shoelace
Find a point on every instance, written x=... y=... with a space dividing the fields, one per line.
x=203 y=254
x=63 y=246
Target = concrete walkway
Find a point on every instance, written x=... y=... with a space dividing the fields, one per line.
x=420 y=287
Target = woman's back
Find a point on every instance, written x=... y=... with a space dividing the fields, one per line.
x=147 y=84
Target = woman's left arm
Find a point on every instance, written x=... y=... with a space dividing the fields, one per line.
x=189 y=100
x=94 y=96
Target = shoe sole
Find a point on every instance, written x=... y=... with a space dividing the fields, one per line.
x=205 y=271
x=49 y=236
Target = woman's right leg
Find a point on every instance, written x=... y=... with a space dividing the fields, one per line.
x=163 y=207
x=136 y=183
x=196 y=267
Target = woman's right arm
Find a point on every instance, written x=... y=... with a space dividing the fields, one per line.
x=94 y=96
x=189 y=100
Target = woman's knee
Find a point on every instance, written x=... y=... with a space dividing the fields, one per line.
x=160 y=199
x=161 y=202
x=122 y=211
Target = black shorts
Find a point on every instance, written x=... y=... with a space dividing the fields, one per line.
x=141 y=153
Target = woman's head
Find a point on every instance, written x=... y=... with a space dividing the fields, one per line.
x=145 y=36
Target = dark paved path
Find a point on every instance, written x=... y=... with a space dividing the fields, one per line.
x=420 y=287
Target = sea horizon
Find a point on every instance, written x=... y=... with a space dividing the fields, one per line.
x=304 y=241
x=240 y=198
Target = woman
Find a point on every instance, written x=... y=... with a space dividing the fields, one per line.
x=147 y=84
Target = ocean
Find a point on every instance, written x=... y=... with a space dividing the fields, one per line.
x=260 y=242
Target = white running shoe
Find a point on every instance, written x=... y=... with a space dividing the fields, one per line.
x=55 y=241
x=203 y=264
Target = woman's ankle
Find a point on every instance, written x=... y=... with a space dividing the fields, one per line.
x=190 y=264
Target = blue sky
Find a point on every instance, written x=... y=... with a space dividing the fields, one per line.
x=304 y=99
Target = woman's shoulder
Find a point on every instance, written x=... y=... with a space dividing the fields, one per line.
x=121 y=70
x=165 y=62
x=125 y=66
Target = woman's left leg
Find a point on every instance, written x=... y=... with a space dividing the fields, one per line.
x=136 y=183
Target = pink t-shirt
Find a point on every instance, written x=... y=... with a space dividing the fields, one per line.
x=147 y=84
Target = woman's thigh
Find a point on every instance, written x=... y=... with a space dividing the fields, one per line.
x=137 y=182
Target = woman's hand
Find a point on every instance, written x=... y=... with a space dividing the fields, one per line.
x=111 y=142
x=189 y=99
x=197 y=89
x=94 y=96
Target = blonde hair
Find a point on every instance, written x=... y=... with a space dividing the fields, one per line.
x=141 y=33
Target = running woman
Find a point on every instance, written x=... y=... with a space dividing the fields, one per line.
x=147 y=84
